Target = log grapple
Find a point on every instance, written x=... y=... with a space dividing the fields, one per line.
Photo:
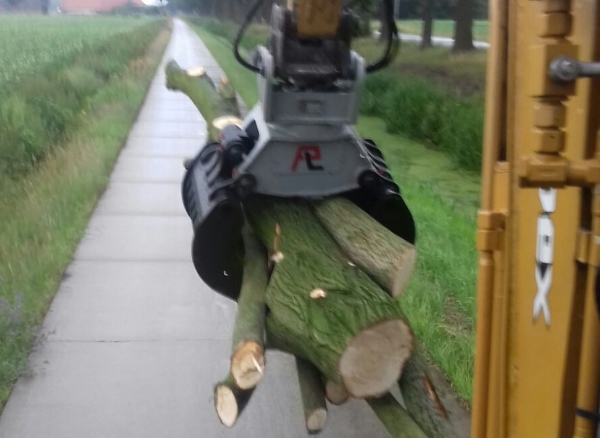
x=297 y=142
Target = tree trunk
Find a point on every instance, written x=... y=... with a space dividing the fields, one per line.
x=427 y=14
x=387 y=258
x=463 y=28
x=325 y=310
x=430 y=400
x=212 y=102
x=247 y=359
x=364 y=11
x=384 y=24
x=313 y=396
x=395 y=419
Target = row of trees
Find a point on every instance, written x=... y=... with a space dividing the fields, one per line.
x=462 y=11
x=442 y=9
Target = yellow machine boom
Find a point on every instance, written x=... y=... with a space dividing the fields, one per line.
x=317 y=18
x=537 y=370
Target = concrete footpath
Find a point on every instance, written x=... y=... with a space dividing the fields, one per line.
x=134 y=341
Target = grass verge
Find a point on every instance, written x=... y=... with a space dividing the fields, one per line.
x=440 y=300
x=44 y=214
x=414 y=108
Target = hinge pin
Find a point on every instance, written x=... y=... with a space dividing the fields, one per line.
x=567 y=69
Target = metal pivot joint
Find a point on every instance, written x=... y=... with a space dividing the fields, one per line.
x=567 y=69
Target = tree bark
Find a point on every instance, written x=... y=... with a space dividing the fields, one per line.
x=212 y=101
x=326 y=311
x=395 y=419
x=313 y=396
x=247 y=359
x=427 y=15
x=431 y=402
x=387 y=258
x=384 y=23
x=463 y=28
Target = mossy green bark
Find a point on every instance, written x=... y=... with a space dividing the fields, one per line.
x=387 y=258
x=432 y=403
x=317 y=330
x=212 y=102
x=312 y=392
x=250 y=314
x=395 y=419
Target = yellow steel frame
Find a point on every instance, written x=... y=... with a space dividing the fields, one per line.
x=316 y=18
x=534 y=369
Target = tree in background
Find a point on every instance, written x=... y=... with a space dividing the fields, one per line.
x=427 y=16
x=364 y=9
x=463 y=28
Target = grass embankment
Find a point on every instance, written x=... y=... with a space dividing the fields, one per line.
x=440 y=300
x=30 y=44
x=431 y=96
x=41 y=103
x=44 y=208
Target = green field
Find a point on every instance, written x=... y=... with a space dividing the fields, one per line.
x=64 y=61
x=440 y=300
x=442 y=28
x=64 y=123
x=29 y=44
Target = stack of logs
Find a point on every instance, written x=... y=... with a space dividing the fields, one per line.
x=322 y=281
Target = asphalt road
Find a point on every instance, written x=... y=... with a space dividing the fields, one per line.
x=134 y=341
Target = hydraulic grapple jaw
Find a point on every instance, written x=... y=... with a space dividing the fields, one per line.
x=214 y=197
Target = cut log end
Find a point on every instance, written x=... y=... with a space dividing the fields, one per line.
x=248 y=365
x=313 y=396
x=226 y=405
x=373 y=360
x=315 y=422
x=336 y=393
